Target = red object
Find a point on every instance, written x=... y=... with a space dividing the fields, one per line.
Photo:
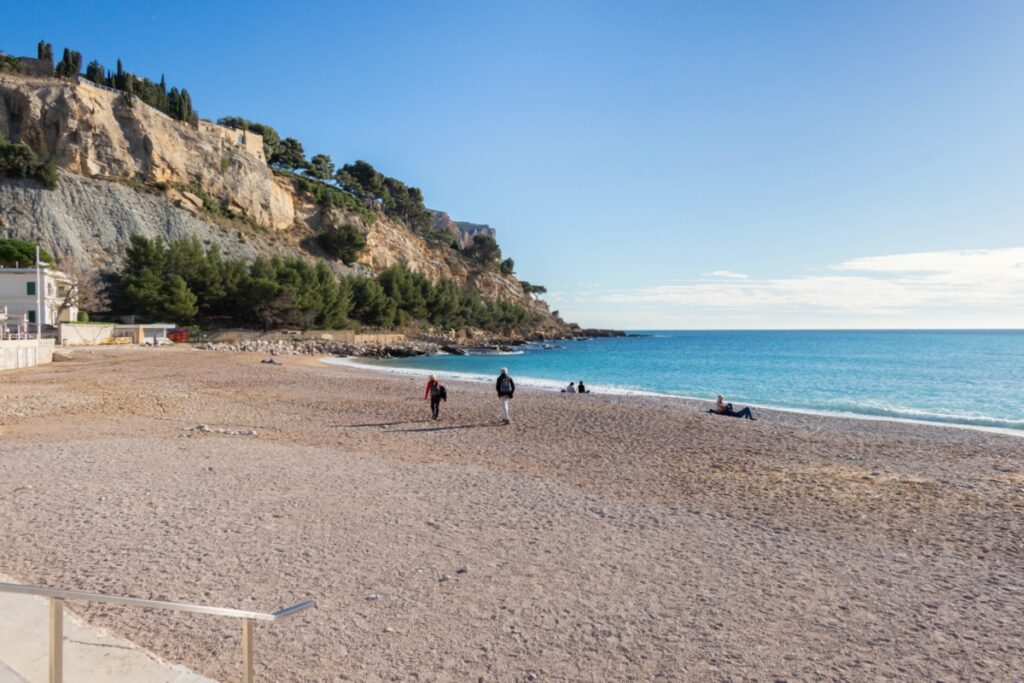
x=178 y=336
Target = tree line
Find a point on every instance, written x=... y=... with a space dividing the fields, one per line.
x=186 y=283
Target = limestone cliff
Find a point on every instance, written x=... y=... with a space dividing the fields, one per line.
x=127 y=168
x=462 y=231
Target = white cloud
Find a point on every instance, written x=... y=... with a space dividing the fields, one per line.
x=939 y=287
x=727 y=274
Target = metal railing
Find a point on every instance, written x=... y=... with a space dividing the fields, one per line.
x=57 y=597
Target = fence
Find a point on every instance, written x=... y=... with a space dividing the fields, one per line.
x=57 y=597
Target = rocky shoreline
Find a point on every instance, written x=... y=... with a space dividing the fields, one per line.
x=314 y=347
x=422 y=346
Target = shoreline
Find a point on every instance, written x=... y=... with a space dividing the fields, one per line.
x=626 y=537
x=605 y=390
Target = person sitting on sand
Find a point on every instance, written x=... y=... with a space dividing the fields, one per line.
x=436 y=393
x=723 y=408
x=506 y=389
x=571 y=389
x=582 y=389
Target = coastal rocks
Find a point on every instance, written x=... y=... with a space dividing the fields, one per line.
x=315 y=347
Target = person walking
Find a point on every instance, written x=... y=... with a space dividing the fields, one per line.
x=436 y=393
x=506 y=389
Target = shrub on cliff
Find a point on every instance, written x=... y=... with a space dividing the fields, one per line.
x=484 y=250
x=343 y=243
x=19 y=161
x=8 y=63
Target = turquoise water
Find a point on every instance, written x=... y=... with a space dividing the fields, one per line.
x=973 y=378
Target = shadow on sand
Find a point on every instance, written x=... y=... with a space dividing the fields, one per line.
x=449 y=427
x=380 y=425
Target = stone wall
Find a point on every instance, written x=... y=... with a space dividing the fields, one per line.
x=252 y=142
x=25 y=353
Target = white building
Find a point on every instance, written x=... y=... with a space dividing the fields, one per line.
x=18 y=292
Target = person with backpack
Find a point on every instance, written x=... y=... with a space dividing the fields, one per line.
x=436 y=393
x=506 y=388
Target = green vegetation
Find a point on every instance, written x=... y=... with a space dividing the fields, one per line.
x=8 y=63
x=328 y=196
x=445 y=304
x=175 y=103
x=321 y=167
x=532 y=289
x=507 y=267
x=343 y=243
x=70 y=64
x=19 y=161
x=484 y=251
x=186 y=283
x=15 y=253
x=396 y=198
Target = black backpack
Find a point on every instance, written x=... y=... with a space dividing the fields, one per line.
x=505 y=385
x=439 y=392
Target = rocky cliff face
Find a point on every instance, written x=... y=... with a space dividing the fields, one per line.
x=94 y=133
x=462 y=231
x=130 y=169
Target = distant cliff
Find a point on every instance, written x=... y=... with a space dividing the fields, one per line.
x=462 y=231
x=127 y=168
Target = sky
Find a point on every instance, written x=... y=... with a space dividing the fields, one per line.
x=655 y=165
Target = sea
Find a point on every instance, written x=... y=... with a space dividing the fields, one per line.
x=969 y=378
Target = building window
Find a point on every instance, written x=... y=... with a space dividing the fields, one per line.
x=30 y=288
x=49 y=289
x=31 y=316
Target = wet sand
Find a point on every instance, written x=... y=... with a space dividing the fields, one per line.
x=594 y=539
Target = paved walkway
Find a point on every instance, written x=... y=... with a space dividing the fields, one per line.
x=91 y=655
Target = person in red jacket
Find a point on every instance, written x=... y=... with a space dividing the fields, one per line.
x=436 y=393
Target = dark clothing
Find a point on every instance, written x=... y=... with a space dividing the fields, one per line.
x=436 y=393
x=729 y=412
x=505 y=386
x=431 y=384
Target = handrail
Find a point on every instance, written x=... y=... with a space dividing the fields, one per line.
x=48 y=592
x=59 y=595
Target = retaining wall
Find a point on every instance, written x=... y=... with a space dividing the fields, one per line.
x=25 y=353
x=72 y=334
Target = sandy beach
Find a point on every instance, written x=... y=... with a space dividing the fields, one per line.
x=597 y=538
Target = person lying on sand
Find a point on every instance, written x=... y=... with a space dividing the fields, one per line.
x=723 y=408
x=270 y=361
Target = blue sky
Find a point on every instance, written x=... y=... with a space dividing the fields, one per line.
x=654 y=164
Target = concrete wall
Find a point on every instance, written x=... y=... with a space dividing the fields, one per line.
x=84 y=335
x=25 y=353
x=252 y=142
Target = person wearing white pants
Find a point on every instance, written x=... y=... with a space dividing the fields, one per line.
x=506 y=388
